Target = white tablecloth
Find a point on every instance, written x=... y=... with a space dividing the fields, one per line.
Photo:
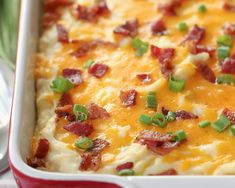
x=7 y=180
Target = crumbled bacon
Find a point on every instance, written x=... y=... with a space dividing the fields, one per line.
x=229 y=114
x=229 y=7
x=229 y=29
x=206 y=72
x=168 y=172
x=128 y=98
x=181 y=114
x=63 y=111
x=197 y=49
x=169 y=8
x=91 y=159
x=98 y=70
x=52 y=5
x=49 y=18
x=130 y=28
x=164 y=56
x=93 y=13
x=228 y=65
x=82 y=50
x=35 y=162
x=65 y=99
x=97 y=112
x=42 y=148
x=158 y=27
x=145 y=78
x=127 y=165
x=159 y=143
x=195 y=35
x=79 y=128
x=62 y=33
x=73 y=75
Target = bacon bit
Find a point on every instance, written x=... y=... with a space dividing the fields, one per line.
x=127 y=165
x=169 y=9
x=79 y=128
x=97 y=112
x=49 y=18
x=229 y=29
x=98 y=70
x=206 y=72
x=228 y=65
x=35 y=162
x=92 y=14
x=158 y=27
x=128 y=97
x=65 y=99
x=130 y=28
x=63 y=111
x=168 y=172
x=197 y=49
x=229 y=7
x=63 y=35
x=82 y=50
x=159 y=143
x=195 y=35
x=229 y=114
x=145 y=78
x=181 y=114
x=52 y=5
x=164 y=56
x=73 y=75
x=42 y=149
x=91 y=159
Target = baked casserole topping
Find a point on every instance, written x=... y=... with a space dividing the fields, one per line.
x=141 y=87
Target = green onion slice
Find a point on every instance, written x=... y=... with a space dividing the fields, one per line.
x=140 y=46
x=170 y=116
x=180 y=135
x=226 y=79
x=225 y=40
x=61 y=85
x=176 y=85
x=223 y=52
x=159 y=119
x=232 y=129
x=126 y=172
x=203 y=124
x=88 y=64
x=202 y=8
x=80 y=112
x=84 y=143
x=151 y=100
x=146 y=119
x=182 y=26
x=221 y=124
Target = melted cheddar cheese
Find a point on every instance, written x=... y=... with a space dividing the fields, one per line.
x=205 y=152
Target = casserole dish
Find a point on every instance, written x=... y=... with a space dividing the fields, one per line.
x=24 y=115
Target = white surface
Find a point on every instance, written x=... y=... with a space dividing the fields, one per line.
x=7 y=180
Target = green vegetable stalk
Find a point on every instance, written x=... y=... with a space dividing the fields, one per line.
x=9 y=19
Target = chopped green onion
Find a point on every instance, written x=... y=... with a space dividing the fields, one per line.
x=85 y=143
x=146 y=119
x=61 y=85
x=225 y=40
x=80 y=112
x=232 y=129
x=202 y=8
x=88 y=64
x=221 y=124
x=140 y=46
x=159 y=119
x=226 y=79
x=176 y=85
x=203 y=124
x=170 y=116
x=180 y=135
x=170 y=132
x=223 y=52
x=151 y=100
x=126 y=172
x=182 y=26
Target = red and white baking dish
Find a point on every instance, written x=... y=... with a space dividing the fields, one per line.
x=23 y=121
